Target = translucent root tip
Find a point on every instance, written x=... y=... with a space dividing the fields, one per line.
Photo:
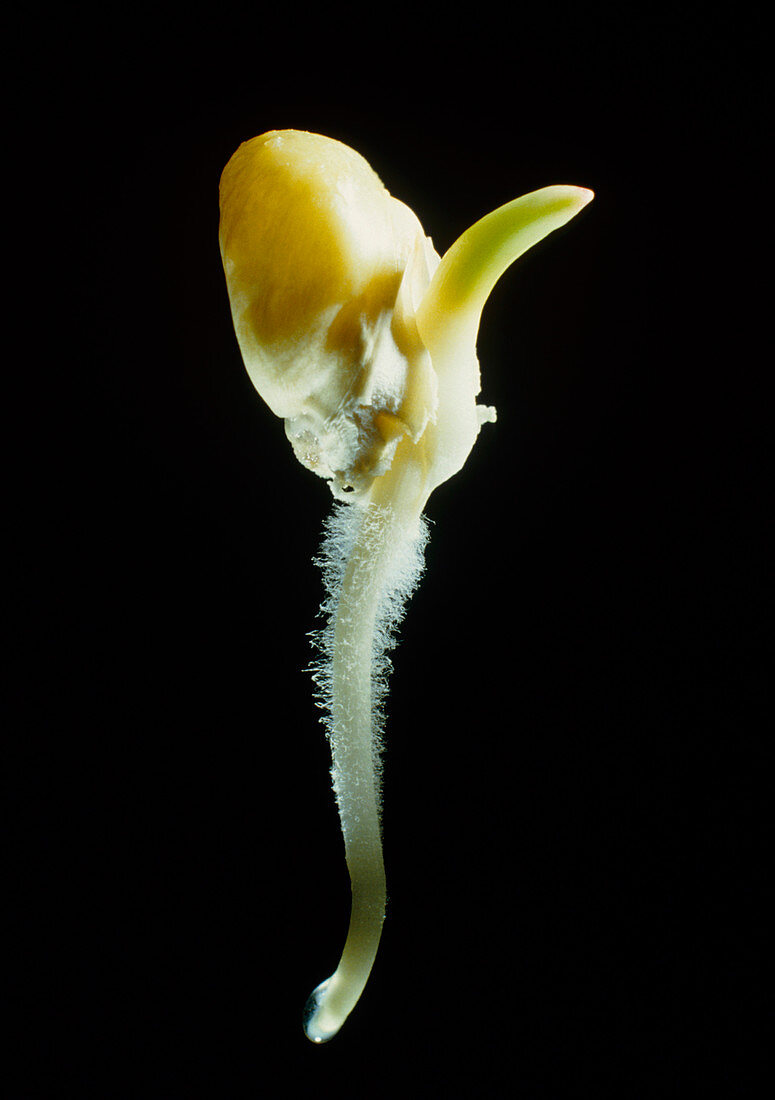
x=320 y=1024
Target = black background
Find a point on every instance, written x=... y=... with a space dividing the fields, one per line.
x=571 y=824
